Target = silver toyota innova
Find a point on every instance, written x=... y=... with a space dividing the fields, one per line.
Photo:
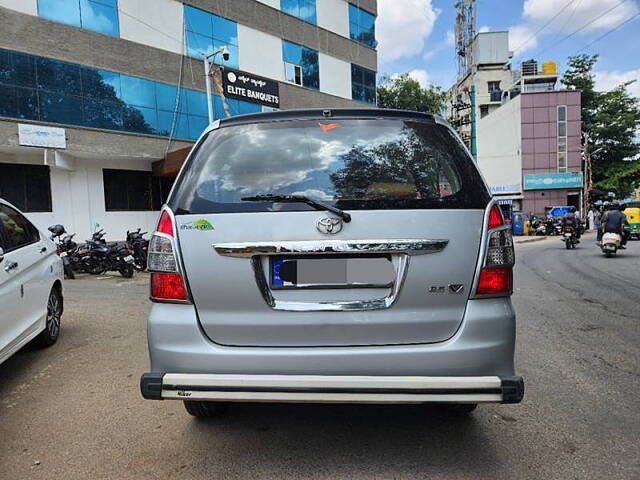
x=331 y=256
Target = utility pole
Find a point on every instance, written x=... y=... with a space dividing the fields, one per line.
x=474 y=140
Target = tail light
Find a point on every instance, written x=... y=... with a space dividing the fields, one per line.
x=567 y=229
x=124 y=252
x=167 y=282
x=496 y=275
x=58 y=250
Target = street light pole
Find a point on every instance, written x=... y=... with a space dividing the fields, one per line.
x=207 y=81
x=208 y=68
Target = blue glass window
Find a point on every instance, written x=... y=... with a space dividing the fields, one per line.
x=57 y=76
x=138 y=91
x=97 y=15
x=197 y=125
x=301 y=65
x=303 y=9
x=100 y=83
x=77 y=95
x=102 y=114
x=17 y=69
x=206 y=33
x=59 y=108
x=362 y=26
x=363 y=84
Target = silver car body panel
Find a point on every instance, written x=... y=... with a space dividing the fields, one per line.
x=239 y=330
x=482 y=346
x=242 y=310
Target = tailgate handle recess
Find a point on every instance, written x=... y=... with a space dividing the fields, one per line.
x=403 y=250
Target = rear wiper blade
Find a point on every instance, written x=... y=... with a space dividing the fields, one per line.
x=299 y=199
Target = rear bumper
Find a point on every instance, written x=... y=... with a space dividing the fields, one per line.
x=331 y=388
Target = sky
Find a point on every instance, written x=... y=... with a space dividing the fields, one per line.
x=416 y=36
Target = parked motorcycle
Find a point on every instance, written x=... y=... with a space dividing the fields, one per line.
x=549 y=226
x=570 y=237
x=105 y=257
x=610 y=243
x=538 y=227
x=139 y=247
x=64 y=246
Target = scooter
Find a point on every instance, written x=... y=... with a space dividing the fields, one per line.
x=611 y=243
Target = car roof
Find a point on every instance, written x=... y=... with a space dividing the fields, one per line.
x=329 y=113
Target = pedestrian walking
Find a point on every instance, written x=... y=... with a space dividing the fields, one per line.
x=597 y=222
x=591 y=219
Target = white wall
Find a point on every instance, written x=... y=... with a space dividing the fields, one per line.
x=335 y=76
x=77 y=199
x=499 y=140
x=24 y=6
x=260 y=53
x=334 y=16
x=165 y=19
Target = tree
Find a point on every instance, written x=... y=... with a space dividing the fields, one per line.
x=610 y=125
x=405 y=93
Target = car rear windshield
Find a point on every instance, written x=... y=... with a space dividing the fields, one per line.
x=361 y=164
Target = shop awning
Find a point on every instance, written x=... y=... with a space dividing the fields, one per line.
x=170 y=165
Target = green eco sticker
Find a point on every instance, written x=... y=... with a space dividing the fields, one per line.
x=201 y=225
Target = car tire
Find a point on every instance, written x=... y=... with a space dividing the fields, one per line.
x=460 y=408
x=51 y=331
x=204 y=409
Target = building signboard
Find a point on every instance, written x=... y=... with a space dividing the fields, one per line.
x=41 y=136
x=503 y=189
x=250 y=87
x=549 y=181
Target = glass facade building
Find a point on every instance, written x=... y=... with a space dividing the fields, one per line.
x=205 y=33
x=306 y=59
x=98 y=15
x=303 y=9
x=39 y=88
x=363 y=84
x=362 y=26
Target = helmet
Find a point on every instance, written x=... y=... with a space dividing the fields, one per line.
x=622 y=206
x=57 y=230
x=615 y=206
x=572 y=209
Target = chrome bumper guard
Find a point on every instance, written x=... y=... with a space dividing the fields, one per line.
x=331 y=389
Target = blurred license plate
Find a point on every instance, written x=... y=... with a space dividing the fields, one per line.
x=128 y=259
x=328 y=272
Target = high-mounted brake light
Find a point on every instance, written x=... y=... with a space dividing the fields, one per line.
x=167 y=283
x=496 y=275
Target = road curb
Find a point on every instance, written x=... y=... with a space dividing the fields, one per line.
x=529 y=240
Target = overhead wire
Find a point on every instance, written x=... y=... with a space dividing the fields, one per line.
x=619 y=26
x=592 y=21
x=544 y=26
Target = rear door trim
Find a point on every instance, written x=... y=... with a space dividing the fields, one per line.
x=400 y=246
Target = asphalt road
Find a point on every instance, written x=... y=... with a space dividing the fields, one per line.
x=74 y=411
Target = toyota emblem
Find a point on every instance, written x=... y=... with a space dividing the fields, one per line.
x=329 y=225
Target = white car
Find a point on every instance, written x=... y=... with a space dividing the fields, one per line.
x=30 y=284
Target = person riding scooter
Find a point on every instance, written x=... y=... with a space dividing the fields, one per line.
x=572 y=220
x=613 y=222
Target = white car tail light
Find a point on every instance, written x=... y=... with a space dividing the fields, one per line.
x=167 y=282
x=496 y=275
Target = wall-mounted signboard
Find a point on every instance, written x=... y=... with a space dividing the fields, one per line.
x=250 y=87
